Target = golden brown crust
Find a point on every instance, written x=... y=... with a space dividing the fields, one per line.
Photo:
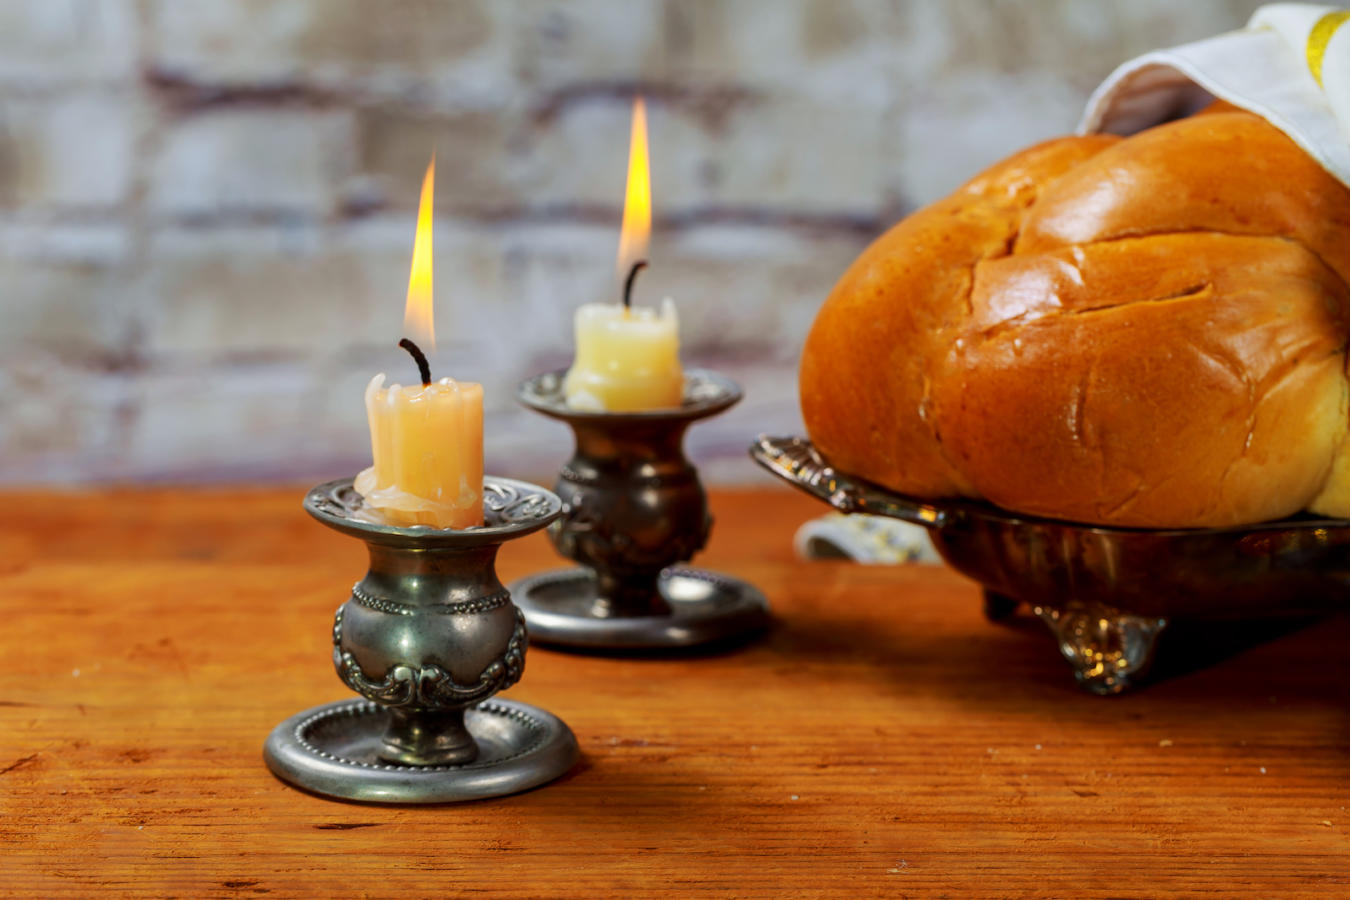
x=1148 y=331
x=1228 y=172
x=865 y=367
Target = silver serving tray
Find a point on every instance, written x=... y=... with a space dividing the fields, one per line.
x=1107 y=593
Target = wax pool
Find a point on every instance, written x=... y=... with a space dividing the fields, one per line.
x=427 y=445
x=626 y=359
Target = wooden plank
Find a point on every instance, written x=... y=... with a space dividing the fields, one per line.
x=883 y=740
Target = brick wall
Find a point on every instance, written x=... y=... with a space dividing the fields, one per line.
x=206 y=206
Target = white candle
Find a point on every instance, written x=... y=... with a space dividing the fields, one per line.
x=627 y=359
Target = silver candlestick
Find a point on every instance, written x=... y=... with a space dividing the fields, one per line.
x=633 y=508
x=427 y=637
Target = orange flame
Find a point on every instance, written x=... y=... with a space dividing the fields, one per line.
x=637 y=204
x=419 y=323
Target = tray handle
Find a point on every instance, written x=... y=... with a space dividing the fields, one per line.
x=796 y=461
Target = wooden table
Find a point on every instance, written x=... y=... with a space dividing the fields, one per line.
x=883 y=740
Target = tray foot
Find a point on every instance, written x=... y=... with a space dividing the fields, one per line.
x=1110 y=651
x=998 y=607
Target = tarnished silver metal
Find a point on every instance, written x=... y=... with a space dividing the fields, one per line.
x=1109 y=650
x=704 y=607
x=427 y=637
x=337 y=750
x=1107 y=594
x=634 y=506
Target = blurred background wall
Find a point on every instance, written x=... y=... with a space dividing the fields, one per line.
x=206 y=206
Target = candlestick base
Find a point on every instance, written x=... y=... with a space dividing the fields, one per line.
x=338 y=750
x=693 y=607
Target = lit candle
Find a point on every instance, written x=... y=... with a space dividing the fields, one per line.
x=628 y=359
x=426 y=440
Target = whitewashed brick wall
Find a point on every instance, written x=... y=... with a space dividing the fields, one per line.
x=206 y=206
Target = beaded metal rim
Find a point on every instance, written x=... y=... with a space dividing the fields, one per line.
x=360 y=708
x=332 y=750
x=511 y=509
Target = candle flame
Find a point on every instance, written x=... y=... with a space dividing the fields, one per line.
x=637 y=203
x=418 y=321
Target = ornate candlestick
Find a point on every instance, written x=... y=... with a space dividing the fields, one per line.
x=633 y=507
x=426 y=638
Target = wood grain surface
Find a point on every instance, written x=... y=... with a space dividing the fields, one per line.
x=883 y=740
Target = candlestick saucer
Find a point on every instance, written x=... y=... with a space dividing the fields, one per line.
x=427 y=637
x=633 y=509
x=336 y=749
x=565 y=607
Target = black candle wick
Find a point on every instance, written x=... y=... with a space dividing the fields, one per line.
x=420 y=358
x=628 y=282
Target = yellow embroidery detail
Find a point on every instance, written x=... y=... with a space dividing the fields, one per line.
x=1320 y=36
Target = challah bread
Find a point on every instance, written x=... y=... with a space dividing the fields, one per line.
x=1148 y=331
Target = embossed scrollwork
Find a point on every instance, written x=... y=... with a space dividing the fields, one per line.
x=798 y=462
x=590 y=536
x=430 y=686
x=507 y=504
x=1109 y=650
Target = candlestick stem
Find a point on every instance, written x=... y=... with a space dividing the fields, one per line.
x=628 y=594
x=428 y=737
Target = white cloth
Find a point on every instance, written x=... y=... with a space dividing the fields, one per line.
x=866 y=539
x=1270 y=67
